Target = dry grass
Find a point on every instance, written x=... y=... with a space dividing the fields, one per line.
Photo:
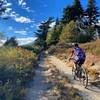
x=60 y=89
x=92 y=47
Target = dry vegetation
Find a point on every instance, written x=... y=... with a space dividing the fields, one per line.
x=92 y=47
x=60 y=89
x=92 y=50
x=16 y=69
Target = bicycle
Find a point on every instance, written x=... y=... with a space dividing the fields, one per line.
x=79 y=72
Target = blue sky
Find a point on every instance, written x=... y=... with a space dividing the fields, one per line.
x=25 y=15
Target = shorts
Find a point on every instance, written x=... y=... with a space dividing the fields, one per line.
x=79 y=61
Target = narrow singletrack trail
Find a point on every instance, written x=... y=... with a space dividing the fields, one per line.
x=38 y=86
x=92 y=93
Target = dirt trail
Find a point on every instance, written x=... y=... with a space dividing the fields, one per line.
x=92 y=93
x=38 y=86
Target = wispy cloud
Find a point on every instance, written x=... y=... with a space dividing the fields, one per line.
x=24 y=6
x=23 y=41
x=7 y=7
x=22 y=32
x=20 y=2
x=10 y=28
x=29 y=10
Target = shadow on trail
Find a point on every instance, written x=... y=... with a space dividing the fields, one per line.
x=93 y=88
x=38 y=86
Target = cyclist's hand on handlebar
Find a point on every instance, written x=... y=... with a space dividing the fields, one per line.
x=69 y=59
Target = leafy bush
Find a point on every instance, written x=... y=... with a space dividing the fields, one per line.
x=16 y=69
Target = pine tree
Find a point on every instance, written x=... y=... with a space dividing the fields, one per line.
x=73 y=12
x=68 y=14
x=92 y=12
x=53 y=35
x=11 y=42
x=41 y=33
x=77 y=9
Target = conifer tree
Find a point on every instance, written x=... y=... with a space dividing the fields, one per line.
x=92 y=12
x=41 y=33
x=77 y=9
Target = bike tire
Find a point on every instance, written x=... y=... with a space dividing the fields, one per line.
x=85 y=79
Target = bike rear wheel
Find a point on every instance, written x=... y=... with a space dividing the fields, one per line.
x=81 y=74
x=85 y=77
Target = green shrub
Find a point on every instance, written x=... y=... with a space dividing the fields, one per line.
x=69 y=33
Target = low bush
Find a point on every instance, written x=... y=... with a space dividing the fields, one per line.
x=16 y=69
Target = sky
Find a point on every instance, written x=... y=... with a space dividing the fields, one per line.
x=26 y=15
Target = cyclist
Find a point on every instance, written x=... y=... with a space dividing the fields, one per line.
x=78 y=55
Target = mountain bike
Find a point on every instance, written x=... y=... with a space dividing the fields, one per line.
x=80 y=73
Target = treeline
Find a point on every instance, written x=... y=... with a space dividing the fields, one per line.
x=76 y=25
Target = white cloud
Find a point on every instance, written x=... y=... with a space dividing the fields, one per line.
x=24 y=6
x=27 y=40
x=23 y=20
x=13 y=15
x=6 y=5
x=21 y=32
x=20 y=2
x=28 y=9
x=2 y=42
x=52 y=24
x=8 y=10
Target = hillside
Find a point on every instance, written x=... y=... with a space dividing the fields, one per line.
x=92 y=49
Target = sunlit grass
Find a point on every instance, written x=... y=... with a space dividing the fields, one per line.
x=92 y=47
x=16 y=69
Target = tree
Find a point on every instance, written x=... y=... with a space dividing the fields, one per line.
x=78 y=9
x=41 y=33
x=53 y=35
x=69 y=33
x=73 y=12
x=68 y=14
x=92 y=12
x=11 y=42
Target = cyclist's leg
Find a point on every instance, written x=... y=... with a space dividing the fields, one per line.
x=81 y=62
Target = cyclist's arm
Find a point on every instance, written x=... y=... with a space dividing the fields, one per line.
x=71 y=55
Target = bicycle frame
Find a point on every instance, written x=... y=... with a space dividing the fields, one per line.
x=78 y=71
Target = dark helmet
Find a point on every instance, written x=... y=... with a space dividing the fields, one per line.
x=76 y=45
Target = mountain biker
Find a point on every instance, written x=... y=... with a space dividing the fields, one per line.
x=78 y=55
